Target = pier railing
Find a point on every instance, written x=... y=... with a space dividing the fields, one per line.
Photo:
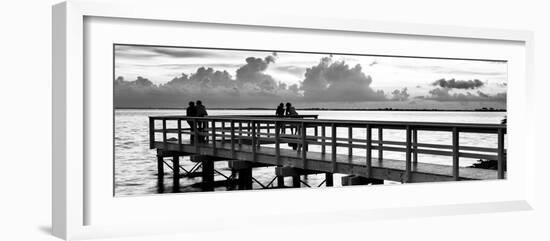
x=306 y=131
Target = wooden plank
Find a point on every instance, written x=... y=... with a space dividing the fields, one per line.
x=238 y=165
x=415 y=146
x=350 y=142
x=223 y=131
x=296 y=181
x=501 y=157
x=208 y=175
x=196 y=136
x=456 y=154
x=214 y=137
x=176 y=174
x=232 y=139
x=355 y=180
x=160 y=170
x=164 y=132
x=179 y=134
x=380 y=144
x=388 y=169
x=430 y=126
x=329 y=179
x=280 y=181
x=253 y=144
x=369 y=151
x=402 y=143
x=277 y=142
x=151 y=133
x=333 y=154
x=408 y=164
x=304 y=151
x=245 y=179
x=323 y=142
x=293 y=171
x=240 y=133
x=316 y=131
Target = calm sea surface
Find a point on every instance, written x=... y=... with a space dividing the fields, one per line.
x=135 y=163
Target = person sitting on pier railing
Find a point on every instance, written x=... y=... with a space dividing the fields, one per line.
x=280 y=112
x=191 y=111
x=201 y=112
x=291 y=112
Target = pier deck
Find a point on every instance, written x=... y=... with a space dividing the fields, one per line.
x=258 y=140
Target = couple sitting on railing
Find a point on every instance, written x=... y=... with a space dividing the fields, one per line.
x=198 y=110
x=289 y=112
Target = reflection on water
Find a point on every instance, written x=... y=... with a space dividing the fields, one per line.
x=136 y=167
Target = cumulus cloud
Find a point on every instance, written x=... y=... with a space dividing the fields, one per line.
x=251 y=87
x=337 y=81
x=458 y=84
x=328 y=82
x=400 y=95
x=444 y=95
x=253 y=73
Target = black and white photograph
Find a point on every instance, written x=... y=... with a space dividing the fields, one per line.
x=269 y=121
x=192 y=119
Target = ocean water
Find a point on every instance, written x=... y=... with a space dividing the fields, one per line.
x=135 y=163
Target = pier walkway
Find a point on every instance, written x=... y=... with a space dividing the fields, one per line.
x=307 y=145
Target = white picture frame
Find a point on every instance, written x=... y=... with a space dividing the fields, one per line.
x=73 y=195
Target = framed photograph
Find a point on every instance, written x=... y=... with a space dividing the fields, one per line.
x=218 y=121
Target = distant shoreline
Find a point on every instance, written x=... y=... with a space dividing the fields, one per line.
x=329 y=109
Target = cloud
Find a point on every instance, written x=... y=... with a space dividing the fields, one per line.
x=131 y=52
x=400 y=95
x=291 y=69
x=373 y=63
x=182 y=53
x=325 y=83
x=143 y=52
x=218 y=88
x=336 y=81
x=458 y=84
x=444 y=95
x=253 y=73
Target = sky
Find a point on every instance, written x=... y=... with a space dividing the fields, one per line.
x=158 y=77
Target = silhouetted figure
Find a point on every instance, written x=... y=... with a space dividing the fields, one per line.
x=280 y=112
x=201 y=112
x=290 y=110
x=191 y=111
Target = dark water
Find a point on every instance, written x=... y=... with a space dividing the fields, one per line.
x=135 y=163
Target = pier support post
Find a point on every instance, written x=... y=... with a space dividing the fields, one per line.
x=359 y=180
x=176 y=174
x=329 y=179
x=160 y=173
x=233 y=185
x=245 y=179
x=296 y=181
x=208 y=175
x=280 y=181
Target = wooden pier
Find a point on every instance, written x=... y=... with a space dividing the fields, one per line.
x=306 y=145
